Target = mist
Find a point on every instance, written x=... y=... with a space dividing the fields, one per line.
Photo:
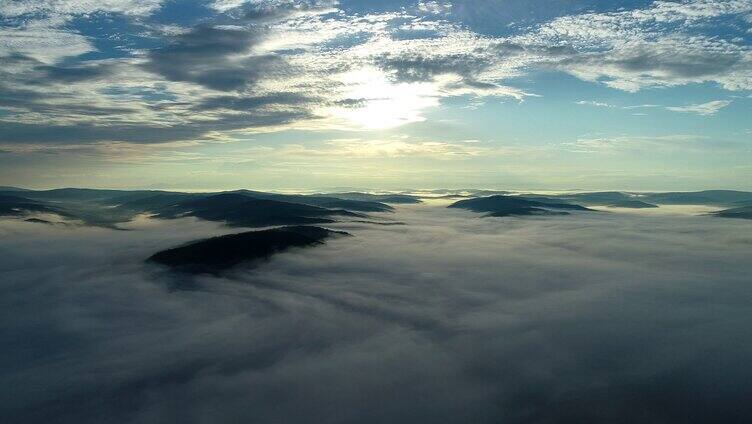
x=451 y=318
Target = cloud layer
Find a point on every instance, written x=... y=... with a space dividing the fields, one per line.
x=268 y=66
x=451 y=318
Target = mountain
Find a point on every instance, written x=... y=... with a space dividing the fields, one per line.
x=500 y=205
x=324 y=201
x=706 y=197
x=17 y=206
x=598 y=197
x=248 y=208
x=241 y=210
x=74 y=194
x=133 y=197
x=140 y=203
x=744 y=212
x=218 y=254
x=632 y=204
x=385 y=198
x=488 y=192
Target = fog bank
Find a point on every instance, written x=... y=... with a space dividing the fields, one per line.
x=451 y=318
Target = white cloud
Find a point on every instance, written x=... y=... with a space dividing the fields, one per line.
x=224 y=5
x=47 y=45
x=705 y=109
x=642 y=143
x=594 y=103
x=361 y=148
x=663 y=45
x=434 y=7
x=77 y=7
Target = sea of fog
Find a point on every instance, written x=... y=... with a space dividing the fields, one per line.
x=608 y=317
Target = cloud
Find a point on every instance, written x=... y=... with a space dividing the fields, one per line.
x=318 y=65
x=704 y=109
x=662 y=45
x=73 y=74
x=77 y=7
x=451 y=318
x=654 y=143
x=395 y=147
x=251 y=103
x=594 y=103
x=211 y=57
x=434 y=7
x=47 y=45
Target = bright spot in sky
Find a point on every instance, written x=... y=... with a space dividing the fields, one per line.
x=383 y=104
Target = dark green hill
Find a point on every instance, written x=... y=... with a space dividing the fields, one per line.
x=78 y=194
x=238 y=208
x=17 y=206
x=241 y=210
x=385 y=198
x=324 y=201
x=596 y=198
x=744 y=212
x=217 y=254
x=515 y=206
x=706 y=197
x=632 y=204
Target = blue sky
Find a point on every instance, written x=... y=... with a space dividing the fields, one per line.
x=544 y=95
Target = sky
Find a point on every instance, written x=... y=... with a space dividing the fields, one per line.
x=288 y=94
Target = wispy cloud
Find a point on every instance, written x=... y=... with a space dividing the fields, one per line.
x=594 y=103
x=672 y=142
x=704 y=109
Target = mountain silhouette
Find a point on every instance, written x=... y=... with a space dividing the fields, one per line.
x=593 y=198
x=633 y=204
x=218 y=254
x=16 y=206
x=250 y=208
x=325 y=201
x=237 y=208
x=241 y=210
x=744 y=212
x=385 y=198
x=500 y=205
x=705 y=197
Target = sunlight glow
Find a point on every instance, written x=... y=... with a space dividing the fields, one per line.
x=381 y=103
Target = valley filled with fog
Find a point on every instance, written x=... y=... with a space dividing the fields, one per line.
x=446 y=315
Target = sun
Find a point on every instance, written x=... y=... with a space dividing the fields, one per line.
x=382 y=104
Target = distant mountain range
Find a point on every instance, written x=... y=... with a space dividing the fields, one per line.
x=632 y=204
x=236 y=208
x=558 y=204
x=256 y=209
x=705 y=197
x=500 y=205
x=386 y=198
x=11 y=205
x=295 y=215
